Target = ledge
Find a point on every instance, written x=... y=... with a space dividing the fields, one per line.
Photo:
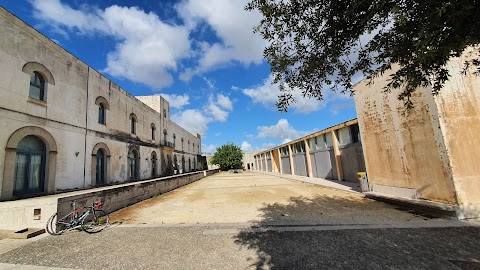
x=423 y=205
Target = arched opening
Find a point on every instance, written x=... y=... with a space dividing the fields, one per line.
x=133 y=164
x=101 y=161
x=153 y=128
x=189 y=165
x=133 y=124
x=101 y=114
x=30 y=166
x=165 y=136
x=183 y=165
x=37 y=86
x=175 y=164
x=33 y=171
x=154 y=164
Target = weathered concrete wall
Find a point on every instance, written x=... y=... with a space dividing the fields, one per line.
x=300 y=165
x=352 y=161
x=123 y=195
x=403 y=149
x=286 y=165
x=459 y=114
x=20 y=214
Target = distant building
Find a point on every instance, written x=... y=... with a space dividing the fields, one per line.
x=249 y=160
x=66 y=126
x=332 y=153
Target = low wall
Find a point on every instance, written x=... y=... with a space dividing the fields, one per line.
x=21 y=213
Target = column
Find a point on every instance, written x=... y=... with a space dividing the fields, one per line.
x=292 y=164
x=336 y=151
x=309 y=161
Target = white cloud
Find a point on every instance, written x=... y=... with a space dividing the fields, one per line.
x=209 y=148
x=210 y=83
x=281 y=130
x=246 y=147
x=224 y=102
x=177 y=101
x=148 y=49
x=198 y=120
x=234 y=28
x=267 y=95
x=192 y=120
x=267 y=146
x=217 y=113
x=286 y=141
x=219 y=108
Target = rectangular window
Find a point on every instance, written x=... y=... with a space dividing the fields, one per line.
x=344 y=136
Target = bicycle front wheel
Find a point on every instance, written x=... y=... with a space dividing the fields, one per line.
x=95 y=221
x=59 y=222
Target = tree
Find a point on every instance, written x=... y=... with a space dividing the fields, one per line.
x=228 y=156
x=318 y=44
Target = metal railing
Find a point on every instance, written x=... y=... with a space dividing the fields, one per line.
x=167 y=144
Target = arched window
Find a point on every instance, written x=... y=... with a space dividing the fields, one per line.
x=133 y=124
x=101 y=114
x=153 y=131
x=133 y=164
x=189 y=164
x=182 y=143
x=101 y=167
x=154 y=164
x=37 y=86
x=30 y=166
x=188 y=145
x=183 y=164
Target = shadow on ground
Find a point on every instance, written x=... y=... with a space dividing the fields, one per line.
x=418 y=248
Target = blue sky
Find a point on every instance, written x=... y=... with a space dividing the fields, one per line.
x=202 y=55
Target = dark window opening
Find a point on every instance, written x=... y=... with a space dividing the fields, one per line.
x=37 y=86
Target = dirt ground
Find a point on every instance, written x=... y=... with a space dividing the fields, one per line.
x=250 y=197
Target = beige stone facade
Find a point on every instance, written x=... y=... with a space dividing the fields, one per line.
x=431 y=152
x=249 y=160
x=66 y=126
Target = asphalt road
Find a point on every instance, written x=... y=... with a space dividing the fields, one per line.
x=253 y=221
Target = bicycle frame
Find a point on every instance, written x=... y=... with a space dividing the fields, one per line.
x=74 y=219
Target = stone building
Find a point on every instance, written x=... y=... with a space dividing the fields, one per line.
x=65 y=126
x=431 y=152
x=248 y=160
x=333 y=153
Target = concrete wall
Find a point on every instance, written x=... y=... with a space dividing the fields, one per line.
x=403 y=149
x=458 y=106
x=20 y=214
x=430 y=152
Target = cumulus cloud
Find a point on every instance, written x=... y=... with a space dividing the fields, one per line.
x=267 y=94
x=219 y=108
x=198 y=120
x=233 y=27
x=149 y=50
x=209 y=148
x=246 y=147
x=192 y=120
x=177 y=101
x=281 y=130
x=224 y=102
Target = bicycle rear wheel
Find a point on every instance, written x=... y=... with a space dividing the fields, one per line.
x=59 y=223
x=95 y=221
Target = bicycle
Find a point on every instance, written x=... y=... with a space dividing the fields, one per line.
x=91 y=221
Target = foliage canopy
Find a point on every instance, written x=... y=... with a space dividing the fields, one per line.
x=228 y=156
x=317 y=44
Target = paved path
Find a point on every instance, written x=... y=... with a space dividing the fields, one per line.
x=252 y=197
x=259 y=221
